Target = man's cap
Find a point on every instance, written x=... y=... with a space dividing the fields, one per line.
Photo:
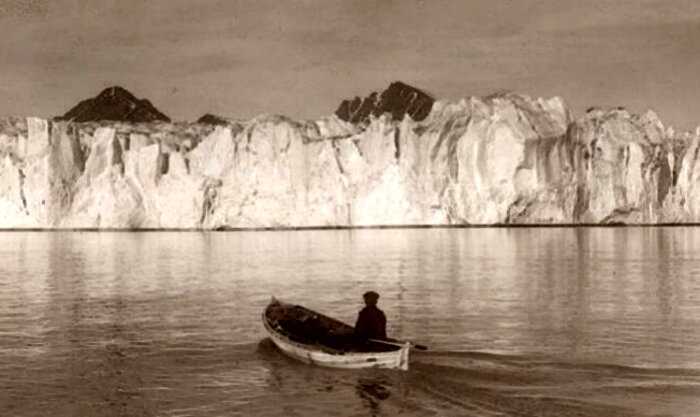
x=371 y=295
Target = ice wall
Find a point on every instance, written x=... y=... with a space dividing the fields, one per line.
x=505 y=159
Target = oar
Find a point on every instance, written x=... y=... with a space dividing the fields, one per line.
x=399 y=343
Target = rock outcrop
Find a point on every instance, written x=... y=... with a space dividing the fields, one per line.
x=212 y=119
x=398 y=100
x=502 y=159
x=115 y=104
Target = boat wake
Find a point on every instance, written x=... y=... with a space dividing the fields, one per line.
x=489 y=384
x=486 y=384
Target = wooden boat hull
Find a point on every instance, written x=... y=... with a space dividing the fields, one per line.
x=329 y=357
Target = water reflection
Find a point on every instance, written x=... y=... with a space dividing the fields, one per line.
x=372 y=391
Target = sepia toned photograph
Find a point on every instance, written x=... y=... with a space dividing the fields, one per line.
x=439 y=208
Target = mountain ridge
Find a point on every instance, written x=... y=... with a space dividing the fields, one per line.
x=399 y=99
x=114 y=104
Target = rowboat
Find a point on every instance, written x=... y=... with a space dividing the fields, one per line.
x=316 y=339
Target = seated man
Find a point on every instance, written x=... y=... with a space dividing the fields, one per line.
x=371 y=322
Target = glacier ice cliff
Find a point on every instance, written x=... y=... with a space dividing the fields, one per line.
x=502 y=159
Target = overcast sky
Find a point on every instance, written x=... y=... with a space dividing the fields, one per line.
x=301 y=57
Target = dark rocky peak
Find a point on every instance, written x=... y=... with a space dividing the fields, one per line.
x=212 y=119
x=115 y=93
x=116 y=104
x=398 y=100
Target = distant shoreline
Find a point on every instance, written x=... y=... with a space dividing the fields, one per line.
x=381 y=227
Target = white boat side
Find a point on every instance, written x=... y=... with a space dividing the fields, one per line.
x=397 y=359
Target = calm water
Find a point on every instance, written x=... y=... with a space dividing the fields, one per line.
x=520 y=322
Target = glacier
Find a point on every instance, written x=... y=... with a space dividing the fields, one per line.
x=505 y=159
